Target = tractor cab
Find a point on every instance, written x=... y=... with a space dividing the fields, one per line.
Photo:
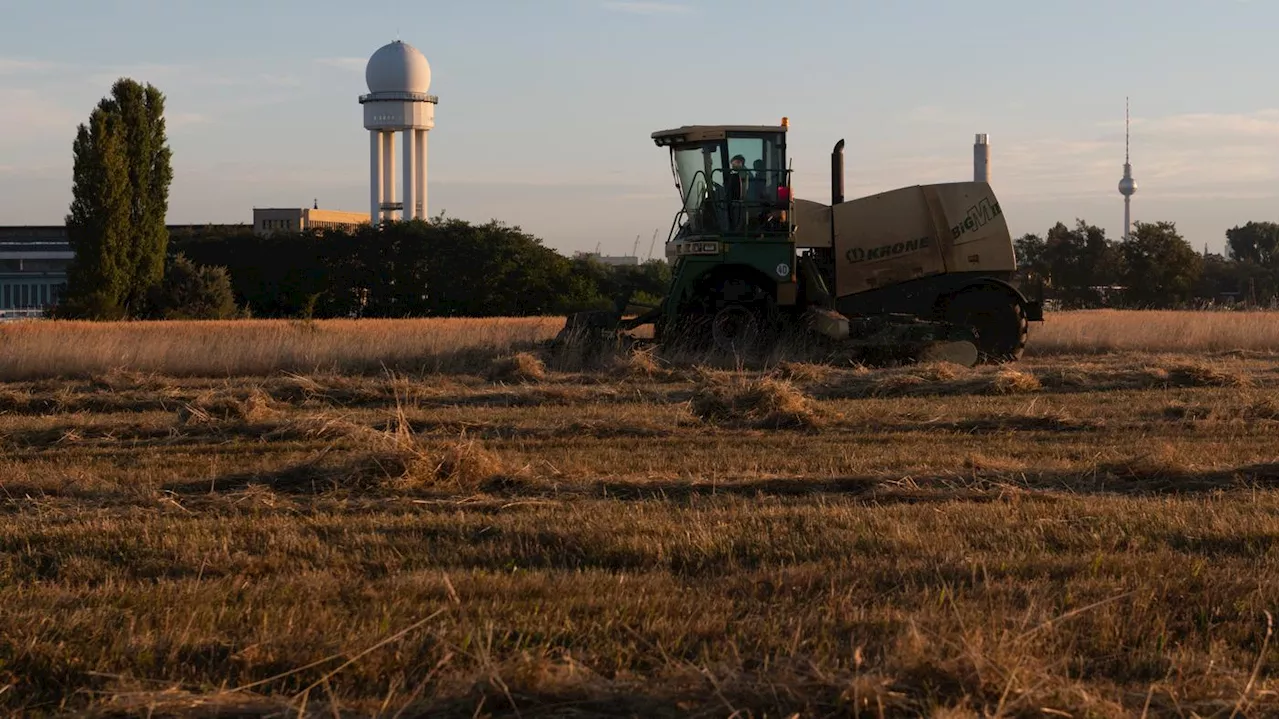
x=732 y=179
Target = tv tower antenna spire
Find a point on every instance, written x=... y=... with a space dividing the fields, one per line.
x=1127 y=185
x=1126 y=132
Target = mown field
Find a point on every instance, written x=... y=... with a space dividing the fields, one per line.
x=436 y=518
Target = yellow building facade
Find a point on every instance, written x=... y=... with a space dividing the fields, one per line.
x=267 y=220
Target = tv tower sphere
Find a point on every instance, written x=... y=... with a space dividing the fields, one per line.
x=398 y=77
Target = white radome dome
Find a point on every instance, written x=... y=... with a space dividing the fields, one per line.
x=398 y=67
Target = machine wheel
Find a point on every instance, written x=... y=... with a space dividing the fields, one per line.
x=996 y=317
x=736 y=317
x=690 y=333
x=738 y=328
x=744 y=318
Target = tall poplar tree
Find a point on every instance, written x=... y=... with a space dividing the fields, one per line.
x=116 y=224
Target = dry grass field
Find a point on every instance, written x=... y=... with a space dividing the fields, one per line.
x=435 y=518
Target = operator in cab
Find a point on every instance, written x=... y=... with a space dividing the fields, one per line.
x=737 y=182
x=738 y=178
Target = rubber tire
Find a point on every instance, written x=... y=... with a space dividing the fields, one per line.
x=757 y=319
x=696 y=329
x=997 y=318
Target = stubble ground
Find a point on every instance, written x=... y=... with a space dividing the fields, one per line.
x=1080 y=533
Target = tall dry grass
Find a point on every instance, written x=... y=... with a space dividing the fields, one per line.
x=35 y=350
x=1102 y=331
x=32 y=350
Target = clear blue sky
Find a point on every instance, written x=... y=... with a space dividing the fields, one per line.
x=546 y=107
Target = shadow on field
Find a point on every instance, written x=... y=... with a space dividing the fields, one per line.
x=919 y=686
x=382 y=474
x=321 y=475
x=494 y=696
x=1109 y=479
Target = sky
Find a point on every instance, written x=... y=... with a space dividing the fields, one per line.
x=546 y=107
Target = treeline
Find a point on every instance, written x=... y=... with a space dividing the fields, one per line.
x=446 y=267
x=1155 y=267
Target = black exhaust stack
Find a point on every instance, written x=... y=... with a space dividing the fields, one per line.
x=837 y=174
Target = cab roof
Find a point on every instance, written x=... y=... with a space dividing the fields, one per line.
x=699 y=133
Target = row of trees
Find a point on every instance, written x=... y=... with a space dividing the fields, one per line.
x=446 y=267
x=1153 y=267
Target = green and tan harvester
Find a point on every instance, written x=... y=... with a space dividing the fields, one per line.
x=921 y=272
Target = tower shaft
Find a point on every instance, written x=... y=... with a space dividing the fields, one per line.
x=1126 y=217
x=389 y=175
x=421 y=164
x=410 y=176
x=981 y=158
x=375 y=175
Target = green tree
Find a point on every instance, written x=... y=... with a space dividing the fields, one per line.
x=120 y=194
x=1244 y=281
x=1162 y=269
x=1077 y=260
x=98 y=221
x=1029 y=251
x=1254 y=242
x=1103 y=259
x=150 y=173
x=1062 y=257
x=192 y=292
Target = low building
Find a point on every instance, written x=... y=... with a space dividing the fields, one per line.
x=267 y=220
x=34 y=261
x=33 y=268
x=34 y=258
x=615 y=260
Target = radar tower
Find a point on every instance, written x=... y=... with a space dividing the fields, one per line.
x=398 y=77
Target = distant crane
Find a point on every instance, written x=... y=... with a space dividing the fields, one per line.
x=655 y=239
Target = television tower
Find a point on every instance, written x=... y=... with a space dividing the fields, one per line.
x=1127 y=185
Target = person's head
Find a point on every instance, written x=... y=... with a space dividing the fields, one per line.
x=737 y=162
